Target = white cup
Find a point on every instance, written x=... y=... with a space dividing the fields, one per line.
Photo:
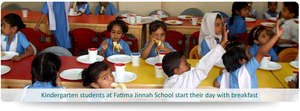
x=92 y=54
x=161 y=56
x=25 y=13
x=132 y=19
x=194 y=20
x=156 y=17
x=159 y=73
x=265 y=60
x=135 y=58
x=120 y=68
x=138 y=19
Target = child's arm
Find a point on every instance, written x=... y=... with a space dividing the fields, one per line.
x=28 y=52
x=37 y=26
x=165 y=48
x=265 y=48
x=104 y=47
x=146 y=51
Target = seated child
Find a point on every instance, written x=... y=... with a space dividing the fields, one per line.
x=156 y=43
x=105 y=8
x=236 y=23
x=115 y=45
x=272 y=11
x=210 y=32
x=44 y=70
x=252 y=12
x=83 y=7
x=13 y=39
x=241 y=73
x=260 y=36
x=180 y=75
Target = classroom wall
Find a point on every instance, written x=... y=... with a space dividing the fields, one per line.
x=173 y=8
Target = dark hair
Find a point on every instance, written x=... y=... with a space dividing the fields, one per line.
x=269 y=3
x=119 y=22
x=156 y=25
x=235 y=44
x=170 y=62
x=14 y=20
x=91 y=74
x=292 y=7
x=255 y=32
x=219 y=16
x=232 y=57
x=44 y=68
x=236 y=6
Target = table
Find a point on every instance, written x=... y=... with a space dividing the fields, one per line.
x=20 y=75
x=97 y=23
x=286 y=71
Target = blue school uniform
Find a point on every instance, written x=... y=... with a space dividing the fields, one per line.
x=109 y=10
x=269 y=14
x=204 y=48
x=42 y=85
x=254 y=48
x=85 y=7
x=61 y=33
x=22 y=43
x=109 y=50
x=251 y=67
x=153 y=53
x=238 y=26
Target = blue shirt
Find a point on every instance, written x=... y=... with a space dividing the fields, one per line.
x=254 y=48
x=109 y=50
x=238 y=26
x=270 y=14
x=109 y=10
x=22 y=42
x=42 y=85
x=85 y=7
x=204 y=47
x=153 y=53
x=251 y=67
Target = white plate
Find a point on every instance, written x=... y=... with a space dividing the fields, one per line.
x=85 y=59
x=127 y=77
x=248 y=19
x=120 y=58
x=273 y=18
x=287 y=45
x=220 y=64
x=188 y=17
x=294 y=64
x=268 y=24
x=77 y=14
x=9 y=55
x=271 y=66
x=71 y=74
x=289 y=78
x=152 y=60
x=173 y=22
x=4 y=69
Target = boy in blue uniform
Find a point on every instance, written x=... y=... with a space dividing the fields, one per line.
x=105 y=8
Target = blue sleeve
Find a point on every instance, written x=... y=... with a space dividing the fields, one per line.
x=204 y=48
x=87 y=10
x=252 y=51
x=219 y=78
x=97 y=10
x=242 y=26
x=252 y=65
x=255 y=13
x=45 y=9
x=125 y=47
x=264 y=16
x=147 y=43
x=113 y=9
x=23 y=41
x=169 y=46
x=273 y=54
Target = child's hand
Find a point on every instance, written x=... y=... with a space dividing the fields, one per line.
x=58 y=80
x=104 y=45
x=16 y=58
x=225 y=36
x=279 y=30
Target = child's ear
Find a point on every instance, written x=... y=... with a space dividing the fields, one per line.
x=95 y=85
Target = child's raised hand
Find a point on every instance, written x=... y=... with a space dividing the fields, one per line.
x=225 y=36
x=279 y=30
x=104 y=45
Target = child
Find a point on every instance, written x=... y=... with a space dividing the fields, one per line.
x=157 y=41
x=252 y=12
x=14 y=40
x=179 y=72
x=271 y=13
x=105 y=8
x=236 y=23
x=58 y=21
x=115 y=45
x=210 y=35
x=44 y=70
x=289 y=14
x=83 y=7
x=98 y=75
x=259 y=36
x=241 y=73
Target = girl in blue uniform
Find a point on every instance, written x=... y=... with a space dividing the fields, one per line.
x=14 y=40
x=83 y=7
x=105 y=8
x=58 y=22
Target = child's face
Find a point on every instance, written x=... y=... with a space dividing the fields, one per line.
x=273 y=7
x=183 y=66
x=6 y=29
x=244 y=12
x=286 y=14
x=218 y=26
x=103 y=3
x=263 y=38
x=104 y=80
x=159 y=34
x=116 y=33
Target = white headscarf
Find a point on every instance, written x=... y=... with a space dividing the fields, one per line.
x=207 y=31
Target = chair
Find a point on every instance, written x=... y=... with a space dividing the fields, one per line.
x=241 y=37
x=156 y=12
x=193 y=12
x=84 y=38
x=34 y=48
x=194 y=53
x=288 y=55
x=224 y=15
x=39 y=39
x=59 y=51
x=194 y=39
x=176 y=40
